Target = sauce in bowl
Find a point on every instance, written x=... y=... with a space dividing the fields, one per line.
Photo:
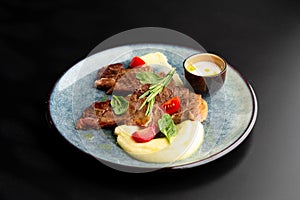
x=204 y=68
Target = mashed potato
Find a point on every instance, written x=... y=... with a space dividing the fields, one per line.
x=189 y=138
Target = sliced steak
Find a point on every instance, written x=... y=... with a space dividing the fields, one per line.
x=108 y=76
x=110 y=71
x=114 y=78
x=183 y=94
x=164 y=95
x=136 y=116
x=128 y=82
x=119 y=81
x=89 y=117
x=100 y=115
x=105 y=83
x=192 y=106
x=193 y=111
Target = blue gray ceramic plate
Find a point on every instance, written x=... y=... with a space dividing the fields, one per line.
x=232 y=110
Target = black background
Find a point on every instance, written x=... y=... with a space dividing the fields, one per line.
x=40 y=40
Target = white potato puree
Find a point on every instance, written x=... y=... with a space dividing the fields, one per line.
x=189 y=138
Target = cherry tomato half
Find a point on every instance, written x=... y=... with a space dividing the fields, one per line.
x=145 y=134
x=172 y=105
x=136 y=62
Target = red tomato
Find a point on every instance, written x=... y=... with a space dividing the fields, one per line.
x=136 y=62
x=172 y=105
x=145 y=134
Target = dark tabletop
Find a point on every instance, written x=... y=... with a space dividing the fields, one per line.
x=40 y=41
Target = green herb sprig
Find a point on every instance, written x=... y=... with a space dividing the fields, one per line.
x=157 y=84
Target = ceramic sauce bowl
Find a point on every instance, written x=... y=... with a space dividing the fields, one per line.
x=205 y=72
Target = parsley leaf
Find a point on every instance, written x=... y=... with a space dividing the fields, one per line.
x=119 y=104
x=148 y=77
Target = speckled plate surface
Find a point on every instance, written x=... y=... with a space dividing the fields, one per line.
x=232 y=111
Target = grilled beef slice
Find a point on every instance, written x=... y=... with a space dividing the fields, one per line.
x=107 y=77
x=128 y=82
x=101 y=115
x=115 y=78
